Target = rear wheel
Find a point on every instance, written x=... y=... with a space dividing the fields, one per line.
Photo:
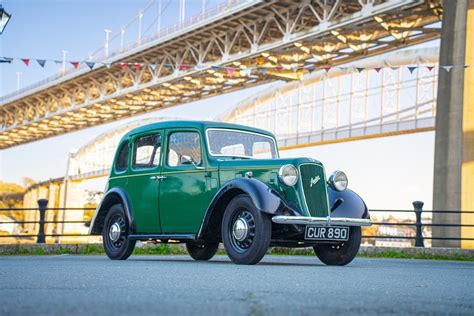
x=246 y=232
x=202 y=251
x=114 y=235
x=342 y=253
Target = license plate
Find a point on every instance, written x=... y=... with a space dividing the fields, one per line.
x=337 y=233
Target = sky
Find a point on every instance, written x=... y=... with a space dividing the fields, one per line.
x=388 y=172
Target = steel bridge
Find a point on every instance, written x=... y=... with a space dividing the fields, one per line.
x=280 y=35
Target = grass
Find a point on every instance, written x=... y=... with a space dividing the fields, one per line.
x=172 y=249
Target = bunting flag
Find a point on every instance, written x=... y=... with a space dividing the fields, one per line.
x=6 y=60
x=230 y=71
x=259 y=64
x=412 y=69
x=447 y=68
x=90 y=64
x=41 y=62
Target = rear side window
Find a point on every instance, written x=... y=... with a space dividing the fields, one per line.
x=122 y=160
x=147 y=152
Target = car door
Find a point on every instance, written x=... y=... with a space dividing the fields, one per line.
x=184 y=196
x=144 y=181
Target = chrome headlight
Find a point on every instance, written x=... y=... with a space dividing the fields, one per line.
x=338 y=181
x=288 y=175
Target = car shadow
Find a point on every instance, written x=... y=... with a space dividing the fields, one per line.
x=225 y=262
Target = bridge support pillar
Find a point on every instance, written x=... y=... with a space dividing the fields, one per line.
x=454 y=145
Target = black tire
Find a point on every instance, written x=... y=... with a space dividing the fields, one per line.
x=255 y=239
x=340 y=254
x=120 y=248
x=202 y=251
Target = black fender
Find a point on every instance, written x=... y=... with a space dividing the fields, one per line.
x=116 y=195
x=262 y=197
x=348 y=204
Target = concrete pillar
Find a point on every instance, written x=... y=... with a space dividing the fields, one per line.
x=453 y=186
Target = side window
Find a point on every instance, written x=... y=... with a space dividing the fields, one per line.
x=147 y=152
x=122 y=160
x=184 y=148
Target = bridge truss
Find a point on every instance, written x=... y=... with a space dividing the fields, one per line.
x=281 y=34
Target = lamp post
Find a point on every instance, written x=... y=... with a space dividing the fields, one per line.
x=64 y=62
x=4 y=18
x=18 y=75
x=106 y=45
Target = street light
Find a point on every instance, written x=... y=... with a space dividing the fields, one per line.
x=4 y=18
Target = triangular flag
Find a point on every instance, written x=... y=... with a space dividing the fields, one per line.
x=215 y=68
x=108 y=65
x=343 y=69
x=123 y=66
x=263 y=70
x=183 y=68
x=278 y=68
x=153 y=67
x=310 y=68
x=394 y=68
x=230 y=71
x=58 y=62
x=137 y=66
x=429 y=68
x=447 y=68
x=26 y=61
x=75 y=64
x=377 y=69
x=360 y=69
x=294 y=68
x=411 y=69
x=6 y=60
x=247 y=72
x=327 y=69
x=41 y=62
x=168 y=66
x=90 y=64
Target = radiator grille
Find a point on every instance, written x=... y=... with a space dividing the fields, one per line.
x=314 y=189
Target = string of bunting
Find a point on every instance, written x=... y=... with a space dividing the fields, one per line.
x=258 y=65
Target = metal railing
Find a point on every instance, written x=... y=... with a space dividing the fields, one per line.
x=418 y=237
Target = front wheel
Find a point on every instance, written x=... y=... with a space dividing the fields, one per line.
x=114 y=235
x=246 y=232
x=202 y=251
x=342 y=253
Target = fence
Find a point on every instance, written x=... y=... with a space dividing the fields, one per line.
x=417 y=211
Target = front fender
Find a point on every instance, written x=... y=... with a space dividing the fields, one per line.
x=116 y=195
x=350 y=206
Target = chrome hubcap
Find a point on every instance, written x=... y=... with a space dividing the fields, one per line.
x=240 y=229
x=114 y=232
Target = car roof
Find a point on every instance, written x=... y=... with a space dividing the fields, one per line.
x=202 y=125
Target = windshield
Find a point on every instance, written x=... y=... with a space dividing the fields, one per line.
x=234 y=143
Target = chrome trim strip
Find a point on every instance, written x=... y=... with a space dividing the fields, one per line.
x=326 y=221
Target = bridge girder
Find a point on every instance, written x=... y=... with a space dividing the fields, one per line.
x=282 y=33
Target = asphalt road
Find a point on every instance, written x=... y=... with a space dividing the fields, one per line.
x=176 y=285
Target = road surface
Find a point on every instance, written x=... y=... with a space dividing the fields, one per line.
x=176 y=285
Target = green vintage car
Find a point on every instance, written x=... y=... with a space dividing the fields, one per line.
x=203 y=183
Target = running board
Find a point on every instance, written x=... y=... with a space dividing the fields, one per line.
x=162 y=236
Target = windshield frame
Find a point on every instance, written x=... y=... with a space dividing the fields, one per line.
x=239 y=131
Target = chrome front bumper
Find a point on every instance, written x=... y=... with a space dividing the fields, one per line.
x=326 y=221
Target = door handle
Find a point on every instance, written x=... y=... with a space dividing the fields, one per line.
x=157 y=178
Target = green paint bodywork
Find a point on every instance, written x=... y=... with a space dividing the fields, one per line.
x=178 y=204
